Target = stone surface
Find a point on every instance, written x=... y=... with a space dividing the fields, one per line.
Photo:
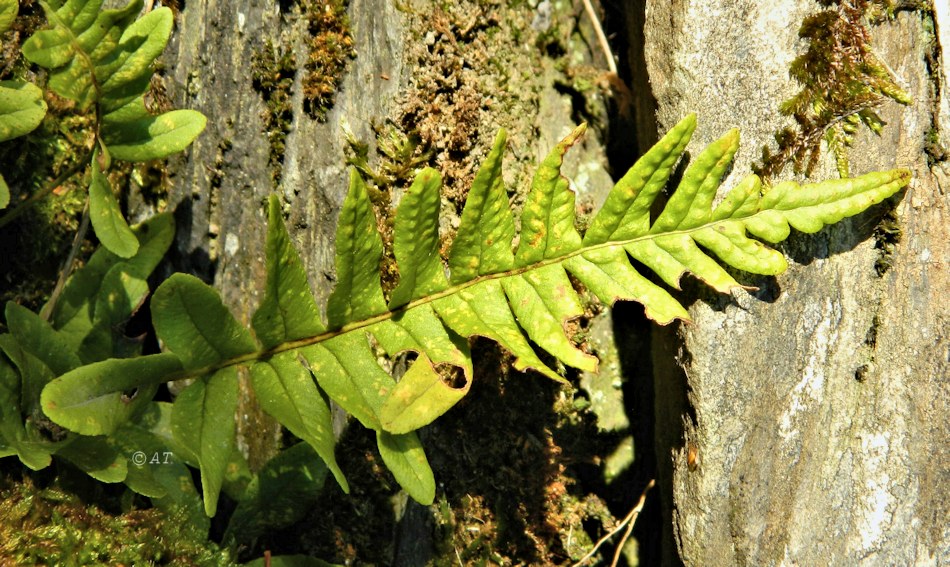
x=817 y=404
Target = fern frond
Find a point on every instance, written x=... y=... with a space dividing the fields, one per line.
x=520 y=297
x=104 y=59
x=22 y=108
x=8 y=12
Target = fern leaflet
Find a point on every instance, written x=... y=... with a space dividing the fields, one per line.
x=22 y=107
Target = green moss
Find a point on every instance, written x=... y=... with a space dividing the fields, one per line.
x=273 y=76
x=935 y=150
x=53 y=527
x=843 y=82
x=330 y=48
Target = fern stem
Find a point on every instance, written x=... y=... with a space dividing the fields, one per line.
x=68 y=265
x=395 y=312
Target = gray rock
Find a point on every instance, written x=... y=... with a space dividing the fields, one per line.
x=817 y=404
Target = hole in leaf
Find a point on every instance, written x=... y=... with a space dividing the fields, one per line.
x=452 y=376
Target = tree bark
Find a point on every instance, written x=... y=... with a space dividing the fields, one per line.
x=816 y=406
x=425 y=68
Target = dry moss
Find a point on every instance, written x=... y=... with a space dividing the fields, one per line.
x=468 y=83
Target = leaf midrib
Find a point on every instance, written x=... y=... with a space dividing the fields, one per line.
x=449 y=291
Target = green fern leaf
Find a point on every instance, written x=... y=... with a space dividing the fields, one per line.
x=283 y=386
x=195 y=325
x=405 y=457
x=86 y=47
x=515 y=296
x=281 y=494
x=86 y=326
x=38 y=338
x=103 y=294
x=486 y=250
x=135 y=136
x=106 y=216
x=416 y=241
x=81 y=47
x=98 y=457
x=358 y=294
x=286 y=390
x=105 y=58
x=169 y=486
x=482 y=248
x=97 y=398
x=8 y=12
x=288 y=310
x=14 y=435
x=203 y=421
x=22 y=108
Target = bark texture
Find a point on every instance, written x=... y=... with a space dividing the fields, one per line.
x=422 y=67
x=816 y=406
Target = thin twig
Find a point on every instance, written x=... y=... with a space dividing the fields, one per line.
x=626 y=534
x=67 y=268
x=627 y=522
x=601 y=38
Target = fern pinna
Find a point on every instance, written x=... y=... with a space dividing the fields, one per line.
x=22 y=107
x=514 y=295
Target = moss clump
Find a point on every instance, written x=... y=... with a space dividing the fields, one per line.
x=842 y=80
x=330 y=47
x=887 y=235
x=273 y=77
x=53 y=527
x=29 y=19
